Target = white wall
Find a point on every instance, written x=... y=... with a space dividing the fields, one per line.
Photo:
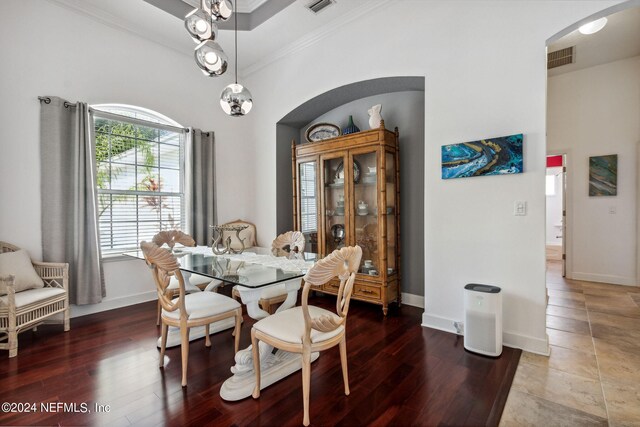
x=592 y=112
x=554 y=208
x=50 y=49
x=485 y=68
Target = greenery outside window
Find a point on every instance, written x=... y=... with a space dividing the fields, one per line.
x=140 y=172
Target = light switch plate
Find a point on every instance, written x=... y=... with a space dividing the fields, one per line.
x=520 y=208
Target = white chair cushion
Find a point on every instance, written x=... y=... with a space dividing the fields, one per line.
x=288 y=325
x=18 y=264
x=33 y=295
x=203 y=304
x=192 y=285
x=273 y=291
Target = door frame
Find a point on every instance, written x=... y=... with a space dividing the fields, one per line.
x=567 y=235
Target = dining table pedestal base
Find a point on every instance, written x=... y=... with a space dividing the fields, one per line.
x=273 y=368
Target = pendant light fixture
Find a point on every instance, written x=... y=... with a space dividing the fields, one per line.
x=201 y=27
x=235 y=99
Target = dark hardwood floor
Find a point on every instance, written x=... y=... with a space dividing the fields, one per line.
x=400 y=374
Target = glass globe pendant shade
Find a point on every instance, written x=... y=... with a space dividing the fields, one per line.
x=211 y=58
x=236 y=100
x=199 y=26
x=593 y=26
x=220 y=10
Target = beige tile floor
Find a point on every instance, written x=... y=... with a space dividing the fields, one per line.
x=592 y=376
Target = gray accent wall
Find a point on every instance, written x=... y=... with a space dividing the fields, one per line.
x=284 y=190
x=404 y=110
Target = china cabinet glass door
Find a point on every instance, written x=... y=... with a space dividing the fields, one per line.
x=335 y=214
x=390 y=213
x=365 y=208
x=308 y=189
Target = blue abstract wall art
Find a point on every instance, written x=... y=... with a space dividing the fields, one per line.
x=494 y=156
x=603 y=175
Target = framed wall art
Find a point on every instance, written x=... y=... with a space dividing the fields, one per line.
x=492 y=156
x=603 y=175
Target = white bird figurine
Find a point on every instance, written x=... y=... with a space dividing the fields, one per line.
x=374 y=116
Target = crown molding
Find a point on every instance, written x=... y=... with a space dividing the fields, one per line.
x=83 y=8
x=312 y=38
x=250 y=5
x=247 y=6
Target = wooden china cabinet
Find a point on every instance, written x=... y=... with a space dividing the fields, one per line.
x=346 y=192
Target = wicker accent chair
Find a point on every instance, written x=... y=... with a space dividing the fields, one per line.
x=186 y=310
x=287 y=244
x=308 y=329
x=27 y=309
x=196 y=282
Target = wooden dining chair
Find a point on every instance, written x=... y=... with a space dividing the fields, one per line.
x=308 y=329
x=186 y=310
x=287 y=244
x=196 y=282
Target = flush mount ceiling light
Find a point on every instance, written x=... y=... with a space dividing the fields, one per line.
x=200 y=24
x=235 y=99
x=593 y=26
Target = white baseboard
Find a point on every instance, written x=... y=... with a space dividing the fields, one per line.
x=509 y=339
x=110 y=304
x=413 y=300
x=527 y=343
x=604 y=278
x=438 y=322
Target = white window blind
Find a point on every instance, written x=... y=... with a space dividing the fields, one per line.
x=140 y=179
x=308 y=197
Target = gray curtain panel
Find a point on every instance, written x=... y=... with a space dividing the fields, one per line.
x=203 y=186
x=68 y=195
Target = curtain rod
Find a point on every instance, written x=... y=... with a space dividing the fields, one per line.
x=47 y=100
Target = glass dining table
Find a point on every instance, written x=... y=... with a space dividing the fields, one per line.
x=254 y=271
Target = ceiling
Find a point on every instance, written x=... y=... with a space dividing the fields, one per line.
x=619 y=39
x=275 y=28
x=292 y=28
x=251 y=13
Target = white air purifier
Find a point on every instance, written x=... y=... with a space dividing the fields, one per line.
x=483 y=319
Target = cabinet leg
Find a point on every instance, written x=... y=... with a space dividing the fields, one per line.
x=385 y=309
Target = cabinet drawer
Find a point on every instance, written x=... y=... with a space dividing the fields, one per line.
x=331 y=287
x=367 y=291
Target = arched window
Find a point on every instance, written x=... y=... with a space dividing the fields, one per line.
x=140 y=165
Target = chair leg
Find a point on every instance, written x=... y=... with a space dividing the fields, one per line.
x=255 y=351
x=236 y=330
x=13 y=343
x=159 y=314
x=184 y=346
x=67 y=319
x=207 y=338
x=343 y=361
x=306 y=383
x=163 y=343
x=235 y=294
x=264 y=304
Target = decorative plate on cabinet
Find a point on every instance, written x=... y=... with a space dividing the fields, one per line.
x=321 y=131
x=356 y=171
